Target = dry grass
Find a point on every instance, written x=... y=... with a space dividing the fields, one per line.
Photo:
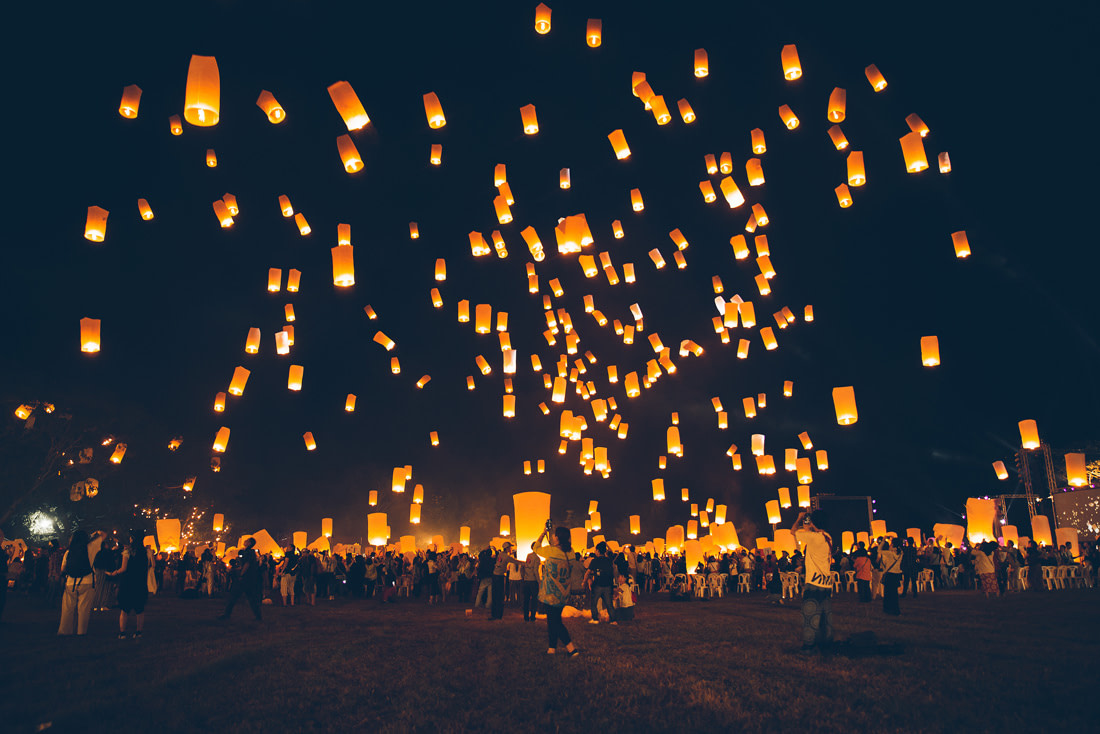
x=953 y=661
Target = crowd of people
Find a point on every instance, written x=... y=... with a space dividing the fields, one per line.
x=98 y=573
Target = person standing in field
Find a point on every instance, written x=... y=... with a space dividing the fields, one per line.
x=76 y=572
x=557 y=573
x=133 y=585
x=817 y=602
x=889 y=558
x=248 y=581
x=530 y=573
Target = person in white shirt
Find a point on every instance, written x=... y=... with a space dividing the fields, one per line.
x=817 y=602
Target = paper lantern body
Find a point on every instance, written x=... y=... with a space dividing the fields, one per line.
x=95 y=226
x=349 y=154
x=784 y=541
x=168 y=535
x=947 y=533
x=1068 y=535
x=930 y=351
x=792 y=67
x=844 y=401
x=348 y=105
x=377 y=528
x=878 y=529
x=271 y=107
x=1076 y=473
x=1029 y=434
x=1040 y=530
x=433 y=110
x=202 y=95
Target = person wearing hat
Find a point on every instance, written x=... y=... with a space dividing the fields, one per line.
x=500 y=572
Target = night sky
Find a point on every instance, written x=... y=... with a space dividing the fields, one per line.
x=1009 y=96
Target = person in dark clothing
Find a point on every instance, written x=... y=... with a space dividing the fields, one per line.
x=909 y=568
x=601 y=575
x=504 y=559
x=247 y=581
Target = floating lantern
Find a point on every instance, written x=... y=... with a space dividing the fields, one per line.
x=774 y=515
x=221 y=440
x=789 y=118
x=349 y=154
x=202 y=95
x=397 y=483
x=1076 y=473
x=211 y=158
x=731 y=193
x=95 y=226
x=636 y=200
x=930 y=351
x=433 y=110
x=285 y=207
x=303 y=225
x=348 y=105
x=219 y=402
x=878 y=529
x=961 y=243
x=788 y=388
x=618 y=144
x=754 y=171
x=118 y=454
x=702 y=65
x=530 y=119
x=89 y=335
x=944 y=161
x=221 y=211
x=660 y=109
x=916 y=124
x=175 y=126
x=343 y=266
x=802 y=468
x=759 y=146
x=310 y=443
x=843 y=196
x=912 y=149
x=377 y=528
x=857 y=175
x=271 y=107
x=1029 y=434
x=509 y=406
x=294 y=377
x=387 y=343
x=542 y=19
x=838 y=103
x=131 y=99
x=707 y=188
x=240 y=379
x=875 y=77
x=593 y=32
x=792 y=67
x=687 y=114
x=372 y=498
x=658 y=486
x=1000 y=470
x=1040 y=530
x=844 y=401
x=980 y=516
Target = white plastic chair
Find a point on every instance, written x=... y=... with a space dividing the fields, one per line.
x=1021 y=579
x=743 y=583
x=714 y=584
x=850 y=583
x=836 y=582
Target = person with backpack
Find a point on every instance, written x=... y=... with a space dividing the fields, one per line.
x=601 y=575
x=79 y=580
x=557 y=573
x=288 y=575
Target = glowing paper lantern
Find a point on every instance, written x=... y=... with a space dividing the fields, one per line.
x=240 y=379
x=285 y=206
x=349 y=403
x=784 y=541
x=542 y=19
x=311 y=444
x=219 y=402
x=202 y=95
x=131 y=99
x=168 y=535
x=271 y=107
x=89 y=335
x=618 y=144
x=837 y=136
x=372 y=498
x=221 y=440
x=838 y=103
x=844 y=401
x=636 y=202
x=916 y=124
x=789 y=118
x=875 y=77
x=674 y=539
x=734 y=197
x=658 y=486
x=857 y=175
x=1000 y=470
x=414 y=231
x=377 y=528
x=792 y=67
x=822 y=459
x=433 y=110
x=95 y=226
x=294 y=377
x=1040 y=530
x=912 y=149
x=343 y=266
x=593 y=32
x=784 y=497
x=961 y=243
x=803 y=494
x=175 y=126
x=303 y=225
x=843 y=196
x=530 y=119
x=687 y=114
x=348 y=105
x=1076 y=473
x=349 y=154
x=211 y=158
x=772 y=508
x=759 y=145
x=1029 y=434
x=980 y=515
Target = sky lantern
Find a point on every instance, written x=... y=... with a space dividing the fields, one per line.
x=843 y=196
x=395 y=366
x=1040 y=530
x=348 y=105
x=1076 y=474
x=372 y=498
x=285 y=206
x=1029 y=434
x=282 y=342
x=219 y=402
x=660 y=109
x=674 y=539
x=692 y=534
x=702 y=65
x=804 y=437
x=635 y=524
x=542 y=19
x=119 y=453
x=311 y=444
x=857 y=175
x=787 y=115
x=505 y=525
x=754 y=171
x=687 y=114
x=597 y=523
x=822 y=459
x=530 y=119
x=349 y=154
x=398 y=479
x=593 y=32
x=414 y=514
x=838 y=104
x=930 y=351
x=784 y=497
x=916 y=124
x=774 y=515
x=636 y=202
x=219 y=522
x=384 y=340
x=433 y=110
x=424 y=380
x=509 y=406
x=231 y=203
x=211 y=158
x=759 y=146
x=944 y=161
x=221 y=440
x=844 y=401
x=326 y=527
x=875 y=77
x=707 y=189
x=840 y=142
x=303 y=225
x=175 y=125
x=202 y=95
x=294 y=377
x=377 y=528
x=673 y=441
x=131 y=99
x=95 y=226
x=732 y=194
x=961 y=243
x=792 y=67
x=271 y=107
x=1000 y=470
x=89 y=335
x=343 y=266
x=658 y=486
x=240 y=379
x=980 y=516
x=808 y=314
x=802 y=469
x=221 y=211
x=618 y=144
x=788 y=388
x=912 y=149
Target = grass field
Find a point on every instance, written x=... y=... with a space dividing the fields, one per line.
x=954 y=661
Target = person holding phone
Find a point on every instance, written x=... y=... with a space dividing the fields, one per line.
x=817 y=602
x=555 y=587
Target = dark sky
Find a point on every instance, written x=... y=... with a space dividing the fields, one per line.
x=1009 y=96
